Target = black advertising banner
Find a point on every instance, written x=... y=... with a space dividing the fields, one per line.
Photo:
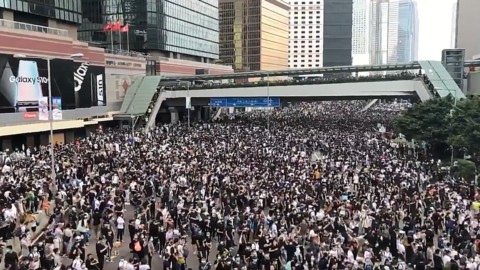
x=89 y=85
x=60 y=69
x=24 y=81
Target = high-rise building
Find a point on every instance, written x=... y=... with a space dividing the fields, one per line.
x=39 y=12
x=467 y=36
x=361 y=32
x=384 y=26
x=254 y=34
x=407 y=48
x=305 y=48
x=181 y=29
x=337 y=32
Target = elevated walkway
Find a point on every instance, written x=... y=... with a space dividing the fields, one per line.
x=138 y=97
x=348 y=90
x=440 y=81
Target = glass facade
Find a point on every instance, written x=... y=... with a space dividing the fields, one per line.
x=63 y=10
x=337 y=33
x=407 y=32
x=254 y=34
x=187 y=27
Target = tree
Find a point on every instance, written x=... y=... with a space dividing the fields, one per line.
x=466 y=170
x=465 y=122
x=429 y=122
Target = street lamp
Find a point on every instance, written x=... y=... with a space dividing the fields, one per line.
x=50 y=114
x=268 y=102
x=189 y=105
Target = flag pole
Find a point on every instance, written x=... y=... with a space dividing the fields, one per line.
x=128 y=38
x=120 y=38
x=111 y=38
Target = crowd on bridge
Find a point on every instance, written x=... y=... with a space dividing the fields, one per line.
x=318 y=187
x=299 y=80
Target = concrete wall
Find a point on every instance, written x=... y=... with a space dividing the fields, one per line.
x=8 y=119
x=467 y=36
x=473 y=84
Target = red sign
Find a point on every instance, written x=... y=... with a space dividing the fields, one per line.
x=29 y=115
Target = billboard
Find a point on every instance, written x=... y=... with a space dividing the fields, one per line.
x=24 y=82
x=89 y=85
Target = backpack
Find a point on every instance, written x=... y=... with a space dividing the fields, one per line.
x=368 y=267
x=137 y=247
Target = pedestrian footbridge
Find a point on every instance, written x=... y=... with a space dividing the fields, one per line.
x=148 y=94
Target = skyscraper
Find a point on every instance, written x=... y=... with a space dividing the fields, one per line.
x=361 y=32
x=337 y=33
x=407 y=49
x=467 y=36
x=182 y=29
x=254 y=34
x=384 y=26
x=305 y=48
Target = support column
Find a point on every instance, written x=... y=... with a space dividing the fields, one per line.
x=7 y=143
x=207 y=113
x=69 y=136
x=199 y=113
x=44 y=139
x=90 y=129
x=173 y=115
x=30 y=141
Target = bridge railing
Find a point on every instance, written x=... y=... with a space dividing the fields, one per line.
x=302 y=81
x=33 y=28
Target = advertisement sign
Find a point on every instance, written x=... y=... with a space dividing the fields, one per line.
x=43 y=109
x=30 y=115
x=89 y=85
x=100 y=93
x=57 y=108
x=24 y=81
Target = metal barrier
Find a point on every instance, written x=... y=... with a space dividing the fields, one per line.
x=33 y=28
x=127 y=53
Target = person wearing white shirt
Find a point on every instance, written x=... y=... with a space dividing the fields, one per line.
x=350 y=256
x=77 y=264
x=120 y=228
x=446 y=259
x=143 y=266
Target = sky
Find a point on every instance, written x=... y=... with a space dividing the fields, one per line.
x=435 y=27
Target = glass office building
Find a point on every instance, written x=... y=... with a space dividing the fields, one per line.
x=407 y=48
x=185 y=29
x=254 y=34
x=337 y=32
x=61 y=10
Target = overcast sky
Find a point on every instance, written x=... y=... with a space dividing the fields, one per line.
x=435 y=30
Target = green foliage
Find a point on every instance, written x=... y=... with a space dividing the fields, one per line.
x=464 y=169
x=466 y=125
x=441 y=123
x=426 y=121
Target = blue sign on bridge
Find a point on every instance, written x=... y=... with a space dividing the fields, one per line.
x=245 y=102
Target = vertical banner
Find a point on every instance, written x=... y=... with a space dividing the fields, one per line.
x=82 y=85
x=188 y=103
x=43 y=109
x=57 y=108
x=100 y=93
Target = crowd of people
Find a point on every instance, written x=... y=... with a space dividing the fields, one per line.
x=321 y=188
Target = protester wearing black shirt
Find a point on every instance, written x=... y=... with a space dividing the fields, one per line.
x=92 y=264
x=102 y=251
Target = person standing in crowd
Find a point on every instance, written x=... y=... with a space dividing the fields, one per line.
x=120 y=227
